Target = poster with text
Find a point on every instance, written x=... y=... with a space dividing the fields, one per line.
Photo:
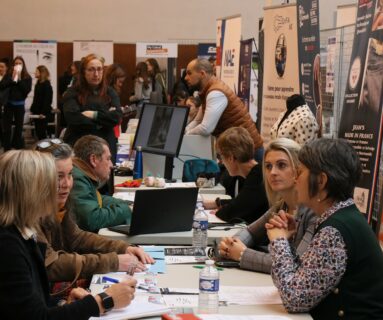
x=156 y=50
x=101 y=48
x=253 y=101
x=207 y=51
x=308 y=49
x=281 y=79
x=361 y=120
x=37 y=53
x=330 y=64
x=219 y=32
x=231 y=46
x=245 y=71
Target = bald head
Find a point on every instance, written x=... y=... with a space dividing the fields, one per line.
x=202 y=65
x=198 y=72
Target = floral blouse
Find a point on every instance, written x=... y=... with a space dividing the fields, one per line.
x=304 y=281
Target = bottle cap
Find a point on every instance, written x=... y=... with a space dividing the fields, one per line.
x=209 y=262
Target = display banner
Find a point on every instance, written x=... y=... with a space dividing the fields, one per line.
x=220 y=31
x=308 y=49
x=253 y=100
x=207 y=50
x=101 y=48
x=156 y=50
x=361 y=120
x=281 y=76
x=37 y=53
x=330 y=65
x=231 y=46
x=245 y=71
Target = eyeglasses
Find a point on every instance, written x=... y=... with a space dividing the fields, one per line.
x=48 y=143
x=94 y=70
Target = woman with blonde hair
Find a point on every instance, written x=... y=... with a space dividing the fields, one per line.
x=24 y=287
x=91 y=106
x=42 y=101
x=248 y=247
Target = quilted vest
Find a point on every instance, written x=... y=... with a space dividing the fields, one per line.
x=235 y=114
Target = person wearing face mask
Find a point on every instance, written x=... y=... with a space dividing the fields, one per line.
x=71 y=252
x=20 y=84
x=91 y=106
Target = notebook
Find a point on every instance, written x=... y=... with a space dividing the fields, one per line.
x=161 y=210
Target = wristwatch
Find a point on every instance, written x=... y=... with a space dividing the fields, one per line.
x=106 y=301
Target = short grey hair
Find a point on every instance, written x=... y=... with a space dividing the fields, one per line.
x=338 y=160
x=89 y=145
x=203 y=64
x=57 y=148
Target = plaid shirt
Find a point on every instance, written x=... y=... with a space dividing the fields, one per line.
x=255 y=236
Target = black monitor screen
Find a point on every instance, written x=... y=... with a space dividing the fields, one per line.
x=161 y=128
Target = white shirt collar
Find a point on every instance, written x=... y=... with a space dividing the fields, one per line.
x=28 y=233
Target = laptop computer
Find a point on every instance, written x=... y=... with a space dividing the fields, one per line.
x=161 y=210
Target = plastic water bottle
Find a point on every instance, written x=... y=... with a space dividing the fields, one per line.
x=200 y=224
x=137 y=170
x=208 y=299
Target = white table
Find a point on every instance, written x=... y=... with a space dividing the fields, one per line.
x=187 y=277
x=169 y=238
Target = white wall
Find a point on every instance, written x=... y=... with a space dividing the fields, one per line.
x=130 y=21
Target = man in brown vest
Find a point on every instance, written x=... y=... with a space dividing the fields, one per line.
x=221 y=108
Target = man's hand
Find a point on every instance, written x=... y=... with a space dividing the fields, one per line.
x=140 y=254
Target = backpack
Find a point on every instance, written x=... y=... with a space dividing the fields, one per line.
x=195 y=168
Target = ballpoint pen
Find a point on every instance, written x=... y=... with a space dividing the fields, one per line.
x=108 y=279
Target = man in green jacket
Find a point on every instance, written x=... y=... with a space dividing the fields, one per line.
x=92 y=168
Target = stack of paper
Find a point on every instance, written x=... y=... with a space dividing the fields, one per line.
x=136 y=310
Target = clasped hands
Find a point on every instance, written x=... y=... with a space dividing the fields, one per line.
x=281 y=225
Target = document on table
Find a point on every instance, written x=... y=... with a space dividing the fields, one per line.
x=135 y=310
x=239 y=317
x=249 y=295
x=180 y=300
x=127 y=196
x=184 y=259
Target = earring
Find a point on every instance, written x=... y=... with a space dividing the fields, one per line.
x=319 y=200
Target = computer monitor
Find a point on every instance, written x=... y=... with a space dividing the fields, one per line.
x=160 y=131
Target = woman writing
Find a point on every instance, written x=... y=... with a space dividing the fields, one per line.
x=71 y=252
x=236 y=149
x=24 y=288
x=340 y=273
x=91 y=106
x=279 y=171
x=42 y=101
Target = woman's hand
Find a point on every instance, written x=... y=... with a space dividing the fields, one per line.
x=231 y=248
x=129 y=263
x=140 y=254
x=77 y=294
x=122 y=293
x=282 y=225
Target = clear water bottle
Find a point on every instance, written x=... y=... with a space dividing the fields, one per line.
x=200 y=224
x=137 y=170
x=208 y=299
